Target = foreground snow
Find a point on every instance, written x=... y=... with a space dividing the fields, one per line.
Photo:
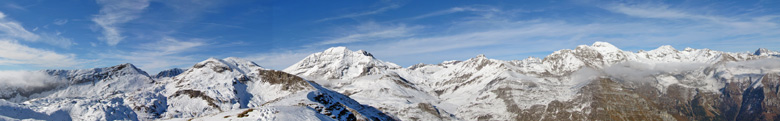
x=271 y=113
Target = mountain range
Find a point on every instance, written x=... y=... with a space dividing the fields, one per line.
x=589 y=82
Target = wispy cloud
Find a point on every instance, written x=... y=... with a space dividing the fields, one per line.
x=170 y=45
x=13 y=30
x=352 y=15
x=456 y=10
x=654 y=11
x=661 y=11
x=495 y=32
x=371 y=31
x=56 y=39
x=113 y=14
x=16 y=6
x=720 y=30
x=279 y=60
x=60 y=22
x=12 y=52
x=161 y=54
x=163 y=44
x=518 y=33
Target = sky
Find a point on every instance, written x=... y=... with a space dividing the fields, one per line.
x=156 y=35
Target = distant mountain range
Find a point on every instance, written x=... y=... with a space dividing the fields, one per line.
x=596 y=82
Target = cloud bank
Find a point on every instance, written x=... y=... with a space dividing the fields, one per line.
x=13 y=83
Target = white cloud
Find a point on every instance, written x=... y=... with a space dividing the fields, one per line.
x=12 y=29
x=15 y=53
x=60 y=22
x=161 y=54
x=661 y=11
x=25 y=81
x=768 y=64
x=636 y=71
x=279 y=60
x=170 y=45
x=456 y=10
x=526 y=34
x=114 y=13
x=371 y=31
x=16 y=6
x=352 y=15
x=584 y=76
x=56 y=40
x=12 y=52
x=653 y=11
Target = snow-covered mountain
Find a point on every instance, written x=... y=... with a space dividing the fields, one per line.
x=89 y=94
x=380 y=84
x=212 y=87
x=340 y=63
x=590 y=82
x=766 y=52
x=566 y=85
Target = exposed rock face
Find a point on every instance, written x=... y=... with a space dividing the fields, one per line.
x=608 y=99
x=290 y=81
x=169 y=73
x=766 y=52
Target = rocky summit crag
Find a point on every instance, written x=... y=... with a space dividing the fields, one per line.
x=590 y=82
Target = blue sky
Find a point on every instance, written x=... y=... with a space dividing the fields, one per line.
x=161 y=34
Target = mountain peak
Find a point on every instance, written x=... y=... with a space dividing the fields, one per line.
x=336 y=50
x=341 y=50
x=761 y=51
x=365 y=53
x=227 y=64
x=604 y=47
x=128 y=67
x=239 y=61
x=211 y=59
x=602 y=44
x=338 y=62
x=665 y=48
x=688 y=49
x=481 y=56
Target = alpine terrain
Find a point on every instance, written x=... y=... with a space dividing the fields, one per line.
x=590 y=82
